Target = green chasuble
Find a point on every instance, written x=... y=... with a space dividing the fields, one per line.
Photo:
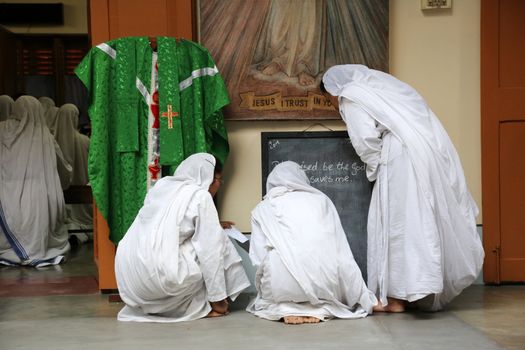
x=118 y=77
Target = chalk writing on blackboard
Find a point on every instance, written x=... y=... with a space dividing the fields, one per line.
x=319 y=172
x=272 y=144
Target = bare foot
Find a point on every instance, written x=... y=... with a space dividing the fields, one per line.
x=305 y=79
x=220 y=307
x=394 y=305
x=270 y=69
x=300 y=319
x=311 y=320
x=215 y=314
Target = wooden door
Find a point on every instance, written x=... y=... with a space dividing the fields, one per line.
x=503 y=139
x=111 y=19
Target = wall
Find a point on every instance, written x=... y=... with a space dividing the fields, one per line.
x=437 y=52
x=75 y=19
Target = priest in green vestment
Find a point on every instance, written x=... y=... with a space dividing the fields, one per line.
x=149 y=110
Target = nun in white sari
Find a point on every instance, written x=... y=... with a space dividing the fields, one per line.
x=32 y=209
x=65 y=168
x=305 y=268
x=422 y=240
x=6 y=106
x=74 y=146
x=50 y=112
x=175 y=258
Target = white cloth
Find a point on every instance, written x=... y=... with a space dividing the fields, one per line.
x=50 y=112
x=74 y=146
x=175 y=257
x=422 y=237
x=65 y=169
x=305 y=265
x=6 y=107
x=32 y=210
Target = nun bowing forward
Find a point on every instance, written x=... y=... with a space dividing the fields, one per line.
x=175 y=263
x=305 y=269
x=423 y=246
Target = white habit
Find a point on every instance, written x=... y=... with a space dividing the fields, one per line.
x=304 y=264
x=32 y=210
x=50 y=112
x=6 y=107
x=175 y=257
x=422 y=238
x=74 y=146
x=65 y=169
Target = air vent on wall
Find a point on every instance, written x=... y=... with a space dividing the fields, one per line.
x=36 y=62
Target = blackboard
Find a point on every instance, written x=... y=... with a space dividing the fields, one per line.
x=332 y=166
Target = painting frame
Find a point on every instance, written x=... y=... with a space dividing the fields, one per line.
x=272 y=53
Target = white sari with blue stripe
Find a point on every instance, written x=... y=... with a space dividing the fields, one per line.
x=32 y=208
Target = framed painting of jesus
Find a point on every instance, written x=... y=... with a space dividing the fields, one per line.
x=272 y=53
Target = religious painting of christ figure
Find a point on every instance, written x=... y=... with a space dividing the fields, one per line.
x=272 y=54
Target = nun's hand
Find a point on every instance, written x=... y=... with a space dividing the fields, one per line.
x=227 y=224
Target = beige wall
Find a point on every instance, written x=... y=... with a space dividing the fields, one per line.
x=75 y=19
x=437 y=52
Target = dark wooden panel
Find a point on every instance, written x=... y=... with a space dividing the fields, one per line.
x=511 y=49
x=512 y=207
x=7 y=62
x=78 y=195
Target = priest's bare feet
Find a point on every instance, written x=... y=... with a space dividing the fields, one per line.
x=394 y=305
x=305 y=79
x=270 y=69
x=300 y=319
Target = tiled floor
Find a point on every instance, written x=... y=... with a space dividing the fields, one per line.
x=498 y=312
x=76 y=276
x=483 y=317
